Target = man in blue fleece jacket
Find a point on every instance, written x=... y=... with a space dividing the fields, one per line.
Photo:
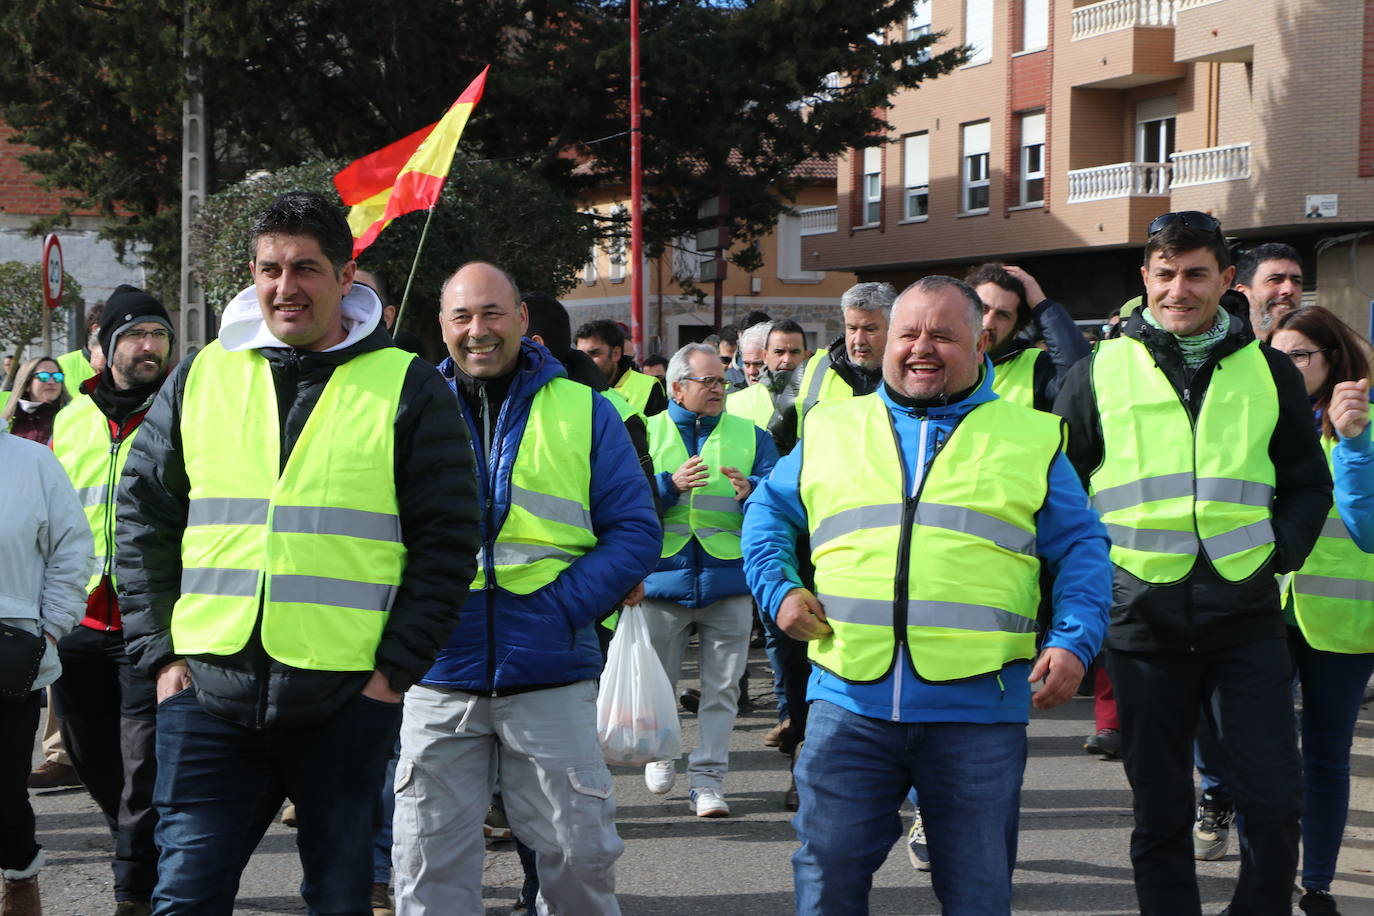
x=930 y=506
x=568 y=529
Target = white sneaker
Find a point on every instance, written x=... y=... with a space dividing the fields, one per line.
x=660 y=775
x=707 y=803
x=916 y=849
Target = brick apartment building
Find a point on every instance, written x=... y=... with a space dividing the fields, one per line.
x=786 y=286
x=1075 y=123
x=86 y=258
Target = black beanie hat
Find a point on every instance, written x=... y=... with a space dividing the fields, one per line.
x=126 y=307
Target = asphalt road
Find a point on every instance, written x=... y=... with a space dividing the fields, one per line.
x=1075 y=826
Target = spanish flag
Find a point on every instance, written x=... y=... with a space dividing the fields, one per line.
x=406 y=175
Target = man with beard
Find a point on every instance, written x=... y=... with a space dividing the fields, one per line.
x=1023 y=372
x=106 y=706
x=1270 y=277
x=604 y=343
x=851 y=366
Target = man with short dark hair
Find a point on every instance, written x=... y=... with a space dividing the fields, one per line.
x=655 y=365
x=604 y=342
x=1016 y=312
x=1197 y=446
x=297 y=526
x=1270 y=277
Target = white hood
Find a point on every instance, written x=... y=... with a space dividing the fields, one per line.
x=242 y=326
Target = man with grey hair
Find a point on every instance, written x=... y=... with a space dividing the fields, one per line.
x=756 y=401
x=851 y=366
x=709 y=462
x=921 y=680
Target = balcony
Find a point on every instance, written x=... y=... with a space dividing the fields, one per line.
x=1121 y=179
x=1206 y=166
x=1115 y=15
x=1191 y=4
x=819 y=220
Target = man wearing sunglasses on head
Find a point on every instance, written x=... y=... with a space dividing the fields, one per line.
x=107 y=707
x=1197 y=446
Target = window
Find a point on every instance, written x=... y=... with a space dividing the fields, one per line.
x=916 y=176
x=686 y=260
x=618 y=244
x=589 y=273
x=873 y=186
x=918 y=26
x=1033 y=158
x=977 y=140
x=789 y=238
x=978 y=30
x=1035 y=25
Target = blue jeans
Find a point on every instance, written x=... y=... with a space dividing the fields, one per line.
x=791 y=671
x=1332 y=688
x=851 y=778
x=385 y=813
x=219 y=785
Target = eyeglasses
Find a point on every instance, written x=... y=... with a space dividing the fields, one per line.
x=707 y=381
x=1301 y=358
x=155 y=334
x=50 y=376
x=1192 y=219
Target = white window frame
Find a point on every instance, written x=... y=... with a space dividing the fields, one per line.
x=788 y=235
x=617 y=247
x=976 y=165
x=1035 y=25
x=871 y=190
x=1032 y=136
x=978 y=30
x=915 y=176
x=917 y=26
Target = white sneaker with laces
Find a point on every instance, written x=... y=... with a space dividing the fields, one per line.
x=660 y=775
x=916 y=849
x=706 y=802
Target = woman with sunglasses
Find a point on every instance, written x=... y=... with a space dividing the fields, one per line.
x=1329 y=603
x=37 y=397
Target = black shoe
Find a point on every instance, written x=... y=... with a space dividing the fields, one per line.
x=690 y=699
x=524 y=904
x=1106 y=743
x=1318 y=903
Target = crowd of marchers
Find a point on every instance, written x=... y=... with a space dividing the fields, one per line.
x=306 y=567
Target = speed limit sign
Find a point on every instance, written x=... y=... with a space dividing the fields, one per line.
x=52 y=270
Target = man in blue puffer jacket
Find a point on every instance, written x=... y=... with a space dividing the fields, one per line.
x=708 y=463
x=568 y=528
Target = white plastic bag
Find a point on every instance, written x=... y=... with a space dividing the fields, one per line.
x=636 y=712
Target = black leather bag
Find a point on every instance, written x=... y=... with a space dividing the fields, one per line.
x=21 y=653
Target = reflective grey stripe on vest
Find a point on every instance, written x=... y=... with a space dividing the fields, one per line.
x=91 y=496
x=968 y=521
x=847 y=521
x=1329 y=587
x=1255 y=534
x=1147 y=489
x=514 y=554
x=703 y=533
x=1230 y=490
x=813 y=391
x=948 y=614
x=552 y=508
x=1335 y=528
x=1153 y=540
x=709 y=502
x=358 y=523
x=227 y=510
x=230 y=583
x=679 y=529
x=364 y=596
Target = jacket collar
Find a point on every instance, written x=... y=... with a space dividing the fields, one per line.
x=981 y=394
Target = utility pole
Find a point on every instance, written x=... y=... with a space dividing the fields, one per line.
x=636 y=192
x=194 y=153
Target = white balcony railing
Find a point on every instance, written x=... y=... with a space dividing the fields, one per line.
x=1121 y=179
x=819 y=220
x=1115 y=15
x=1189 y=4
x=1217 y=163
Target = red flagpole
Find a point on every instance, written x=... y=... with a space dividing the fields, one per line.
x=636 y=193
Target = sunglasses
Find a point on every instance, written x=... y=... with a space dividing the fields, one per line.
x=49 y=376
x=1192 y=219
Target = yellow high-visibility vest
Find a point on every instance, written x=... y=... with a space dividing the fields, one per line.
x=754 y=403
x=819 y=382
x=82 y=442
x=1014 y=380
x=315 y=544
x=1170 y=489
x=953 y=572
x=711 y=514
x=76 y=369
x=636 y=388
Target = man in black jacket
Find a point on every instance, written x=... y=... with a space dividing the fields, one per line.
x=282 y=631
x=1198 y=447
